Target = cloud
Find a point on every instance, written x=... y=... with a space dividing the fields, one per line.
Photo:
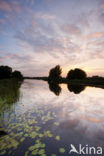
x=47 y=16
x=10 y=6
x=95 y=35
x=72 y=29
x=2 y=21
x=39 y=42
x=5 y=6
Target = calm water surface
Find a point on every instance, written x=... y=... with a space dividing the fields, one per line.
x=41 y=123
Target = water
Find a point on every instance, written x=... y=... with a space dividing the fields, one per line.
x=45 y=121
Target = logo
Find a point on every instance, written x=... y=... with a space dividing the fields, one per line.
x=85 y=150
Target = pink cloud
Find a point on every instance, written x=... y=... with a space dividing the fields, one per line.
x=72 y=29
x=16 y=7
x=2 y=21
x=97 y=34
x=5 y=6
x=93 y=35
x=9 y=7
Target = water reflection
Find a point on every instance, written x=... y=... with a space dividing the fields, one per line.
x=49 y=123
x=54 y=87
x=9 y=93
x=75 y=88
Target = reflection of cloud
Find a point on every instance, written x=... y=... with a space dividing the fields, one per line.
x=91 y=119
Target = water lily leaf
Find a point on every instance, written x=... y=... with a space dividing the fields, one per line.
x=43 y=154
x=43 y=145
x=33 y=134
x=26 y=153
x=61 y=150
x=22 y=139
x=41 y=151
x=31 y=148
x=41 y=135
x=56 y=123
x=15 y=143
x=26 y=135
x=37 y=128
x=3 y=152
x=35 y=152
x=57 y=137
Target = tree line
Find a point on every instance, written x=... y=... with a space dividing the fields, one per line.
x=6 y=72
x=55 y=74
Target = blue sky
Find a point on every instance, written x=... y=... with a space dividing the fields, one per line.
x=36 y=35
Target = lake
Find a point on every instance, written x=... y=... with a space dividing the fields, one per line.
x=45 y=120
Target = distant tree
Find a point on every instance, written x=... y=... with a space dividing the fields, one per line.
x=55 y=74
x=5 y=72
x=17 y=74
x=76 y=74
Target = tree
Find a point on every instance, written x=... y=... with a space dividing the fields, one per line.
x=55 y=74
x=76 y=74
x=17 y=74
x=5 y=72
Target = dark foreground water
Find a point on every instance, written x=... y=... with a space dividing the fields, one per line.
x=40 y=123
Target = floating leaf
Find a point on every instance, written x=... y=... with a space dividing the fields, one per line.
x=43 y=145
x=22 y=139
x=61 y=150
x=33 y=134
x=41 y=151
x=35 y=152
x=56 y=123
x=3 y=152
x=41 y=135
x=26 y=153
x=57 y=137
x=26 y=135
x=31 y=148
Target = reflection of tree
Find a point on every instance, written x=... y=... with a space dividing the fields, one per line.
x=9 y=93
x=76 y=88
x=2 y=132
x=54 y=87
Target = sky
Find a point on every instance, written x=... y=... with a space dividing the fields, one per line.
x=36 y=35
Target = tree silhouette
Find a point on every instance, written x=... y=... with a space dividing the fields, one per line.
x=55 y=74
x=76 y=74
x=5 y=72
x=17 y=74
